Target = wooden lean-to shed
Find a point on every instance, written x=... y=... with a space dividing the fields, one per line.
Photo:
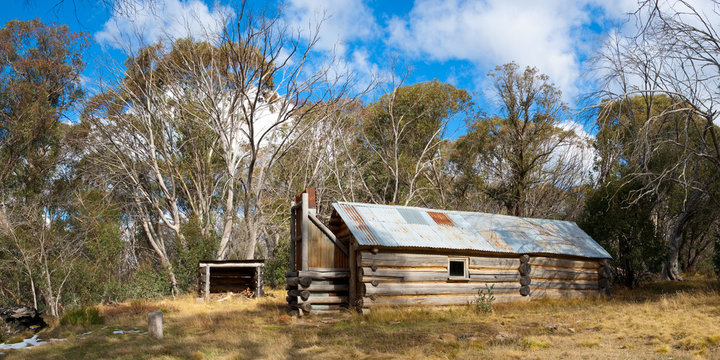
x=380 y=255
x=236 y=276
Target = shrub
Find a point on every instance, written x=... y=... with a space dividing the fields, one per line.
x=485 y=299
x=82 y=317
x=147 y=283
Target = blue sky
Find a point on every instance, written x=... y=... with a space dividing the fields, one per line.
x=451 y=40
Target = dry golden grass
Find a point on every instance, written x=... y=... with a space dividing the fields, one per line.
x=662 y=320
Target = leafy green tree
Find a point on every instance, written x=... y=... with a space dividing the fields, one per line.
x=39 y=83
x=516 y=157
x=649 y=139
x=626 y=229
x=401 y=136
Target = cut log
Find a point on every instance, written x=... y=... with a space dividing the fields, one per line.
x=400 y=259
x=326 y=269
x=563 y=274
x=492 y=262
x=374 y=282
x=553 y=293
x=404 y=274
x=291 y=299
x=513 y=276
x=525 y=280
x=306 y=307
x=305 y=281
x=387 y=289
x=525 y=258
x=434 y=300
x=327 y=287
x=525 y=290
x=524 y=269
x=303 y=294
x=545 y=261
x=292 y=281
x=335 y=307
x=566 y=285
x=325 y=300
x=325 y=275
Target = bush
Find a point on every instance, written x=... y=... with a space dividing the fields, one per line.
x=625 y=229
x=82 y=317
x=485 y=299
x=147 y=283
x=198 y=248
x=277 y=264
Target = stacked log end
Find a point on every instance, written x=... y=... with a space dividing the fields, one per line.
x=604 y=275
x=316 y=291
x=524 y=270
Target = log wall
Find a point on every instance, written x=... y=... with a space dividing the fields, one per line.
x=555 y=277
x=318 y=290
x=394 y=278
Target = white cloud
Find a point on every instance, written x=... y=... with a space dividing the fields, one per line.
x=345 y=26
x=340 y=21
x=578 y=151
x=144 y=22
x=544 y=34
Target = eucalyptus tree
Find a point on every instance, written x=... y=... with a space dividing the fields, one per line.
x=521 y=157
x=194 y=129
x=401 y=136
x=40 y=68
x=675 y=54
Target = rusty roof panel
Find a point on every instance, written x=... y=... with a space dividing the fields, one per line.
x=440 y=218
x=401 y=226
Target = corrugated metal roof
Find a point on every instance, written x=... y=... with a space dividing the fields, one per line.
x=402 y=226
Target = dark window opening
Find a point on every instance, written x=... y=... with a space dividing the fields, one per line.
x=457 y=268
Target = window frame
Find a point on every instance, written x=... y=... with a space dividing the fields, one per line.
x=466 y=270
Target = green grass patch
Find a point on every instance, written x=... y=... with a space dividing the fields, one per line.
x=82 y=317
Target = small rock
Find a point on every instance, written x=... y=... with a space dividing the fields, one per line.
x=505 y=337
x=468 y=337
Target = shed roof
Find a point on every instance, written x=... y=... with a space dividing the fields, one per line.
x=402 y=226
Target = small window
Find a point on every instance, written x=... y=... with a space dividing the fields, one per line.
x=457 y=268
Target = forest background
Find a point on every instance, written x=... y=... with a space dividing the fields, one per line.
x=193 y=148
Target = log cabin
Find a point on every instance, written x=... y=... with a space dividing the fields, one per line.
x=380 y=255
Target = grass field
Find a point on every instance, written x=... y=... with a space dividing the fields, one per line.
x=662 y=320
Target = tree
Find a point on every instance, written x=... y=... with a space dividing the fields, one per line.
x=39 y=83
x=625 y=228
x=402 y=134
x=674 y=54
x=521 y=157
